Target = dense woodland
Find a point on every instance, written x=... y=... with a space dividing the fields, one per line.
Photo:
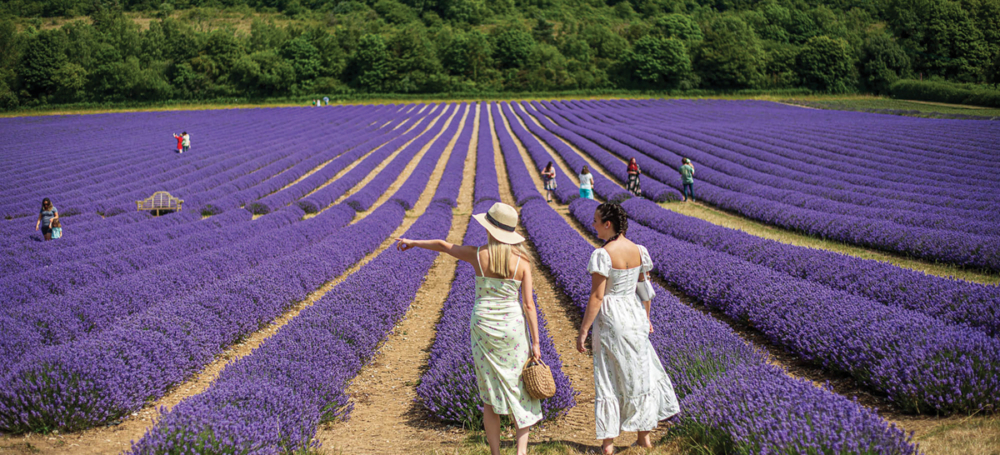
x=336 y=47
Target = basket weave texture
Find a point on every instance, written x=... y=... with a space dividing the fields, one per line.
x=538 y=380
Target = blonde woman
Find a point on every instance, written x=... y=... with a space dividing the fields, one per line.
x=500 y=346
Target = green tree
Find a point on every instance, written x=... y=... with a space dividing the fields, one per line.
x=993 y=72
x=779 y=64
x=942 y=36
x=658 y=62
x=468 y=54
x=512 y=46
x=395 y=12
x=469 y=11
x=304 y=58
x=680 y=26
x=825 y=64
x=414 y=63
x=263 y=73
x=371 y=64
x=882 y=63
x=730 y=56
x=44 y=55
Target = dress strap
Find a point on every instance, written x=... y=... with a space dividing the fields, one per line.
x=479 y=262
x=515 y=266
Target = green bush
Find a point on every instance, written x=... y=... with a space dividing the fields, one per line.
x=945 y=92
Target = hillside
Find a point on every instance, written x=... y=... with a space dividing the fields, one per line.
x=80 y=51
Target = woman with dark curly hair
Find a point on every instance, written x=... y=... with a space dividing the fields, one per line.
x=632 y=388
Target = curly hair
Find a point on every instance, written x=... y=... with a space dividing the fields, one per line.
x=613 y=212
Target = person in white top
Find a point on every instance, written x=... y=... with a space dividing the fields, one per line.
x=187 y=141
x=586 y=184
x=633 y=391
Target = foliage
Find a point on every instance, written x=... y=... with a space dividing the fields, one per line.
x=824 y=64
x=192 y=50
x=658 y=62
x=945 y=92
x=731 y=55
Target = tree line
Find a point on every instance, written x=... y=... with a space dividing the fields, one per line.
x=340 y=47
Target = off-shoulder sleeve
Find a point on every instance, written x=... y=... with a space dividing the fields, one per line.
x=600 y=262
x=647 y=262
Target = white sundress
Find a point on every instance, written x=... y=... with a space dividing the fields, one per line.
x=633 y=390
x=500 y=348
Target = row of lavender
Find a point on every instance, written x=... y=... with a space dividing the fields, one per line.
x=152 y=168
x=724 y=179
x=823 y=168
x=956 y=369
x=729 y=392
x=949 y=300
x=244 y=181
x=83 y=258
x=448 y=388
x=273 y=400
x=72 y=300
x=107 y=369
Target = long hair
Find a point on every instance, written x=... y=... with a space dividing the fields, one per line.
x=548 y=166
x=46 y=201
x=585 y=170
x=611 y=211
x=501 y=255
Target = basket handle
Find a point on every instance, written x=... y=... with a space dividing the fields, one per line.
x=528 y=362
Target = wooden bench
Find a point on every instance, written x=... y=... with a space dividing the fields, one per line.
x=160 y=200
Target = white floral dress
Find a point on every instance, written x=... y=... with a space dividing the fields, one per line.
x=633 y=390
x=500 y=348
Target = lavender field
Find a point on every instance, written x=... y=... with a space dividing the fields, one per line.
x=296 y=209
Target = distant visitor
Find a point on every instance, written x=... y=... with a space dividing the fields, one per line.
x=180 y=142
x=549 y=178
x=586 y=184
x=187 y=141
x=46 y=216
x=687 y=180
x=633 y=178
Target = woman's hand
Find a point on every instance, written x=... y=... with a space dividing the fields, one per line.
x=581 y=343
x=536 y=352
x=404 y=244
x=650 y=327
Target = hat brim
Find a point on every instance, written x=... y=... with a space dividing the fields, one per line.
x=501 y=235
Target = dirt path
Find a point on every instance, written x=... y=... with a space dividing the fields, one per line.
x=386 y=419
x=576 y=429
x=118 y=438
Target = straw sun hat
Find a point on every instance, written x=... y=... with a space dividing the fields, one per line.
x=500 y=221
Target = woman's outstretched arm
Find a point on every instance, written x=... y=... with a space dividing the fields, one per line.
x=460 y=252
x=597 y=284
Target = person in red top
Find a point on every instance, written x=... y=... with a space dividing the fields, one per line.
x=633 y=178
x=180 y=142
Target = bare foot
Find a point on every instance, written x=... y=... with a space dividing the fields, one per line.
x=608 y=450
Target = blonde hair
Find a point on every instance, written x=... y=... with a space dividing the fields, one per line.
x=500 y=255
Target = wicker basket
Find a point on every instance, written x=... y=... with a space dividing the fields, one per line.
x=538 y=380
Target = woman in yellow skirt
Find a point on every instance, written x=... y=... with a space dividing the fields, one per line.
x=500 y=345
